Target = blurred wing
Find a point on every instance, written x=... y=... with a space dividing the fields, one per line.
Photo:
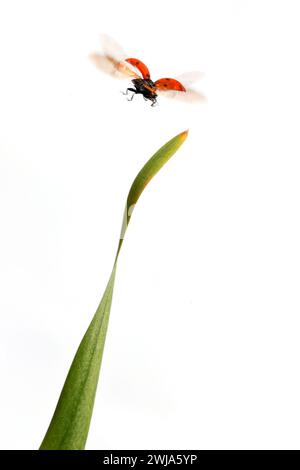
x=164 y=84
x=112 y=67
x=110 y=47
x=190 y=78
x=112 y=60
x=190 y=96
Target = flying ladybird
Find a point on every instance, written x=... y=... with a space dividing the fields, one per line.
x=146 y=87
x=113 y=61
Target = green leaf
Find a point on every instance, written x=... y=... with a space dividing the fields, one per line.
x=70 y=423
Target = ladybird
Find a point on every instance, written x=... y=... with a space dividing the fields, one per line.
x=114 y=62
x=146 y=87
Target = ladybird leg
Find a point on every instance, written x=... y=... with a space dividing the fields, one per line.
x=133 y=93
x=126 y=93
x=154 y=102
x=128 y=89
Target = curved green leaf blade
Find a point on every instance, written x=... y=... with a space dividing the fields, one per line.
x=68 y=429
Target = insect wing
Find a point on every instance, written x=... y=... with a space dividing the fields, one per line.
x=191 y=96
x=112 y=59
x=190 y=78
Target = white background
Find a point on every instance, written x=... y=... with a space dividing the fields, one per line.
x=203 y=345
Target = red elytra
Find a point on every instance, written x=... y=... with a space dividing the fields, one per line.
x=138 y=64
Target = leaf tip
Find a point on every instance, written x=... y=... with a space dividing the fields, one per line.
x=184 y=135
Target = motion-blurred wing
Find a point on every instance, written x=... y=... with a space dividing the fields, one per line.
x=112 y=59
x=190 y=96
x=190 y=78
